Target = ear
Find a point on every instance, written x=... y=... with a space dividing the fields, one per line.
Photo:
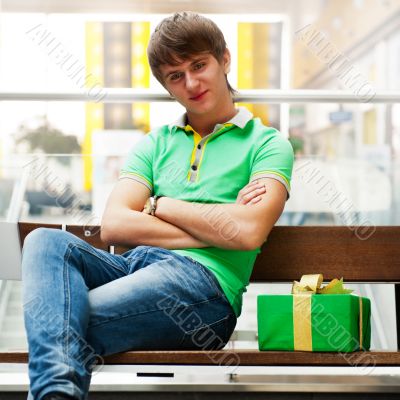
x=227 y=61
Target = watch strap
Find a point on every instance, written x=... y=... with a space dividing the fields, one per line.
x=153 y=203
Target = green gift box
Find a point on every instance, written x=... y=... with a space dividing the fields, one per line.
x=314 y=322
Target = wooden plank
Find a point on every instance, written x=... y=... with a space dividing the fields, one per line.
x=90 y=234
x=397 y=300
x=17 y=357
x=255 y=357
x=290 y=252
x=121 y=249
x=239 y=357
x=333 y=251
x=27 y=227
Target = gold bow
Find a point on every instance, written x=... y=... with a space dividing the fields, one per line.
x=312 y=284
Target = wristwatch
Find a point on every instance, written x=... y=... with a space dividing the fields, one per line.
x=151 y=205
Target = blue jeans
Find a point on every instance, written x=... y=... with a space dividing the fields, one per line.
x=81 y=302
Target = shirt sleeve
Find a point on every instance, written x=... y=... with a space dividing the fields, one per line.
x=139 y=163
x=274 y=159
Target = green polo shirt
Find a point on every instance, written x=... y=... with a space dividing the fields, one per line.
x=175 y=161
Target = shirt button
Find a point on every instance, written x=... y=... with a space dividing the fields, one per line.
x=194 y=167
x=199 y=146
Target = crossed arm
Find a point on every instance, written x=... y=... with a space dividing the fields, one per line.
x=243 y=225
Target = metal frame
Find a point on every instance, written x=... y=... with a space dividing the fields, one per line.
x=111 y=95
x=194 y=378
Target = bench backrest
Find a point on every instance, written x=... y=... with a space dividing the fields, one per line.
x=292 y=251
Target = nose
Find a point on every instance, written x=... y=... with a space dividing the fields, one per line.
x=191 y=81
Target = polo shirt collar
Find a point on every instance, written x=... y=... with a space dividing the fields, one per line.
x=242 y=117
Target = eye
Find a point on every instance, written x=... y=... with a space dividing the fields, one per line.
x=175 y=76
x=199 y=65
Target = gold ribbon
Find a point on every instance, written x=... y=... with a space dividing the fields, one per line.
x=302 y=292
x=302 y=332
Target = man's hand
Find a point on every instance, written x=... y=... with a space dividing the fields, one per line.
x=251 y=193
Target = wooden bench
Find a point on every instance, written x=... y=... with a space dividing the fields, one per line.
x=289 y=253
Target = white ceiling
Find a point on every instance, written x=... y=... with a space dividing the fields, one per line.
x=160 y=6
x=298 y=12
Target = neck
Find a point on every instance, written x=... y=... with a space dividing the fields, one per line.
x=204 y=124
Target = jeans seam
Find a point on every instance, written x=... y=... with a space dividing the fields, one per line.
x=67 y=312
x=131 y=260
x=97 y=255
x=207 y=325
x=67 y=309
x=224 y=320
x=58 y=389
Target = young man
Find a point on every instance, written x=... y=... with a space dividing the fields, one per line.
x=196 y=199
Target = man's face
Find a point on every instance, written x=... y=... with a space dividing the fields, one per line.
x=199 y=84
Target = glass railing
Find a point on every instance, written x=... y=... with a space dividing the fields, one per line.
x=324 y=191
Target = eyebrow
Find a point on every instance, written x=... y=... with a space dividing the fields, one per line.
x=195 y=61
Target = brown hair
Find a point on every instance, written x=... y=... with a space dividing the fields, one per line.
x=182 y=36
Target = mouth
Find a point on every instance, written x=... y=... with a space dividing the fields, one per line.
x=199 y=96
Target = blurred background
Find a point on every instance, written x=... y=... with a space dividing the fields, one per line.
x=60 y=159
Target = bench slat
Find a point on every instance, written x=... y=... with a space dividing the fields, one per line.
x=236 y=357
x=292 y=251
x=334 y=251
x=252 y=357
x=27 y=227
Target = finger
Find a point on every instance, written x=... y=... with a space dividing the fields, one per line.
x=255 y=182
x=254 y=193
x=248 y=190
x=255 y=200
x=252 y=184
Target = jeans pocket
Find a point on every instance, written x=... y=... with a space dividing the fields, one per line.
x=212 y=336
